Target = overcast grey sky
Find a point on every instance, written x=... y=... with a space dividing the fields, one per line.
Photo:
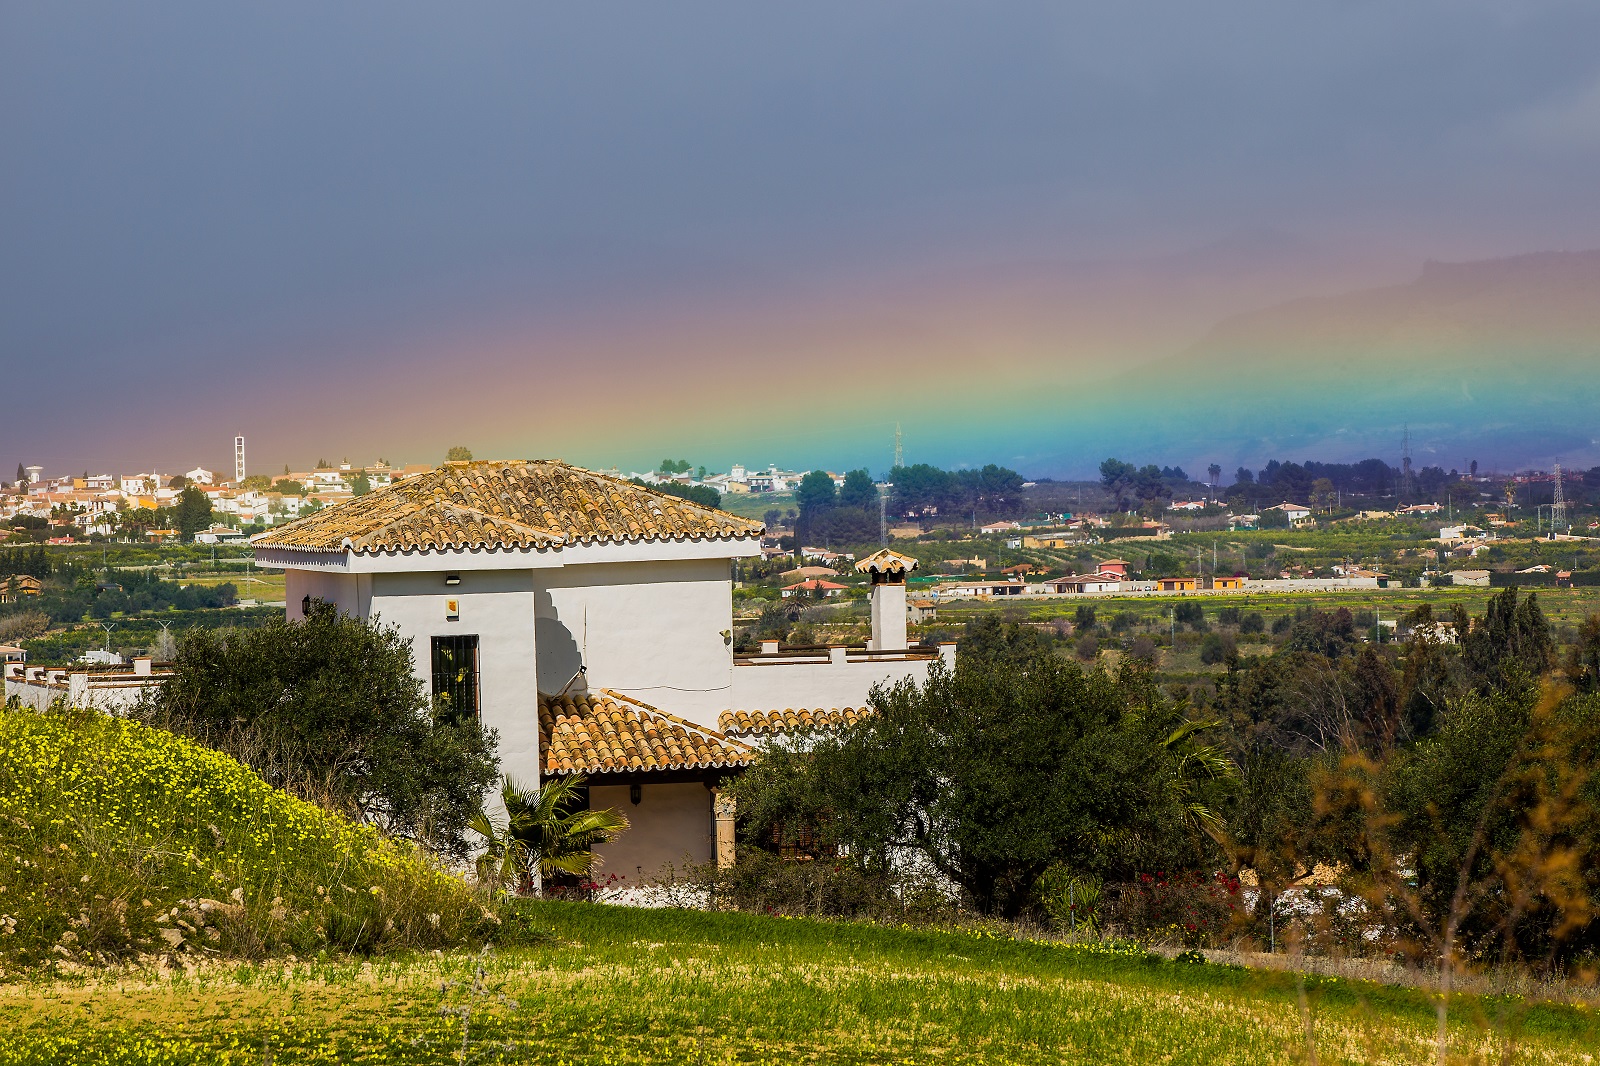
x=214 y=189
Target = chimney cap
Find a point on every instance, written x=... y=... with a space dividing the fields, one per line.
x=884 y=561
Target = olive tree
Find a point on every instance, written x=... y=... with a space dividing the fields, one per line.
x=331 y=709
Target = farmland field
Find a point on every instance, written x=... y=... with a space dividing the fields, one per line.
x=629 y=986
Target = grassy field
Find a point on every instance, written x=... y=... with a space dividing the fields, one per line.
x=628 y=986
x=264 y=586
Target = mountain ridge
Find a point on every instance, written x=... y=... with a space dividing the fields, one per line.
x=1496 y=358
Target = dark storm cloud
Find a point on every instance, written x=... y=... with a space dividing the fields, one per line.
x=186 y=186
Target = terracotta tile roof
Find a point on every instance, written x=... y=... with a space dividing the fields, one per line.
x=887 y=562
x=789 y=720
x=521 y=504
x=605 y=732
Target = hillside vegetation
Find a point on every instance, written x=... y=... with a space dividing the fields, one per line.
x=118 y=840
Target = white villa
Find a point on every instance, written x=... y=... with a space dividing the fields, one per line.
x=590 y=622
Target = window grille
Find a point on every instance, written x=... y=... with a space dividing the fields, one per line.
x=455 y=678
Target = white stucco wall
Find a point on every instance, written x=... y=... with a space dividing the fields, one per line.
x=653 y=630
x=498 y=607
x=672 y=824
x=348 y=592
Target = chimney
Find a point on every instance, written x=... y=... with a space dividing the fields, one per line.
x=141 y=665
x=888 y=570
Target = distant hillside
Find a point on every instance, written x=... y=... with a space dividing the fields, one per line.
x=1546 y=304
x=1498 y=359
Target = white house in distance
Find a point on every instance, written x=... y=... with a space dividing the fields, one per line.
x=1294 y=512
x=590 y=622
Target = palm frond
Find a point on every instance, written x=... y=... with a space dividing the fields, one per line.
x=542 y=828
x=595 y=823
x=480 y=824
x=577 y=863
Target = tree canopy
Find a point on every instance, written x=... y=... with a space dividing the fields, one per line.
x=992 y=773
x=704 y=495
x=926 y=490
x=330 y=708
x=193 y=512
x=1144 y=484
x=837 y=515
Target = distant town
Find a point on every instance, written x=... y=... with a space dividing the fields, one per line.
x=980 y=535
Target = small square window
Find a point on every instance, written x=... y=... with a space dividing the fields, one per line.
x=455 y=679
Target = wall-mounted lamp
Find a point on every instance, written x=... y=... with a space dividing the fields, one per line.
x=452 y=579
x=305 y=607
x=635 y=793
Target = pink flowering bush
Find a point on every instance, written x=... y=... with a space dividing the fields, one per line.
x=1196 y=909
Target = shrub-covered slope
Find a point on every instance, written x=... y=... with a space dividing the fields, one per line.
x=118 y=840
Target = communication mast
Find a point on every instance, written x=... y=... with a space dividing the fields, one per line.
x=1405 y=464
x=899 y=458
x=238 y=460
x=1558 y=506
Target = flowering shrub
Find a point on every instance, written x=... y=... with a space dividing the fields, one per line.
x=581 y=889
x=1193 y=908
x=117 y=840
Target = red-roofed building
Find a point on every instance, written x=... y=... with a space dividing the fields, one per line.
x=815 y=586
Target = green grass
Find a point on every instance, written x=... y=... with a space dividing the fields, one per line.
x=629 y=986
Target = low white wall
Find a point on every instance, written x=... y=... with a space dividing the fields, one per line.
x=1310 y=584
x=671 y=825
x=1145 y=589
x=773 y=684
x=111 y=697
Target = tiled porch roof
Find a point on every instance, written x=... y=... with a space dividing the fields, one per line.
x=789 y=720
x=606 y=732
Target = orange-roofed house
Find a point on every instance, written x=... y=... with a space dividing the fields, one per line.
x=589 y=621
x=19 y=587
x=814 y=586
x=1225 y=582
x=1177 y=584
x=1117 y=568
